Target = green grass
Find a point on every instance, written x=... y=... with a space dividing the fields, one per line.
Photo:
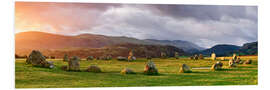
x=27 y=76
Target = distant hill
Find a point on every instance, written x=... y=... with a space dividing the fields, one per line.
x=249 y=49
x=113 y=50
x=42 y=40
x=220 y=50
x=227 y=50
x=185 y=45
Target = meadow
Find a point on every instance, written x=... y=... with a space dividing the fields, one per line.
x=27 y=76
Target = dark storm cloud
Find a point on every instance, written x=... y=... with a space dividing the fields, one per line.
x=208 y=12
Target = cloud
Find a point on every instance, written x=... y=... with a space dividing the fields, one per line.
x=205 y=25
x=143 y=23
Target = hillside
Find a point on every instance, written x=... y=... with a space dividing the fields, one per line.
x=113 y=50
x=41 y=40
x=249 y=49
x=185 y=45
x=220 y=50
x=227 y=50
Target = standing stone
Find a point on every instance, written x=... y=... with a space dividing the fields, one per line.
x=94 y=69
x=65 y=67
x=120 y=58
x=127 y=71
x=176 y=55
x=217 y=66
x=232 y=63
x=201 y=56
x=131 y=57
x=213 y=56
x=74 y=64
x=196 y=57
x=90 y=58
x=150 y=68
x=163 y=55
x=191 y=57
x=148 y=57
x=184 y=69
x=49 y=64
x=248 y=62
x=238 y=61
x=108 y=57
x=36 y=58
x=234 y=57
x=65 y=58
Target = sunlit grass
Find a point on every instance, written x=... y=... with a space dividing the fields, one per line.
x=27 y=76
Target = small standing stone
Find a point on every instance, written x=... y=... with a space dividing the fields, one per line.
x=65 y=59
x=248 y=62
x=127 y=71
x=120 y=58
x=232 y=63
x=196 y=57
x=94 y=69
x=176 y=55
x=191 y=57
x=201 y=56
x=238 y=60
x=90 y=58
x=65 y=67
x=74 y=64
x=234 y=57
x=163 y=55
x=213 y=56
x=185 y=69
x=150 y=68
x=217 y=66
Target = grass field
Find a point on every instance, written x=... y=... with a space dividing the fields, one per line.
x=27 y=76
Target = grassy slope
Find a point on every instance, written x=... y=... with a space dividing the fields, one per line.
x=35 y=77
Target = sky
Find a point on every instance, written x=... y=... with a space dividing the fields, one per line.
x=204 y=25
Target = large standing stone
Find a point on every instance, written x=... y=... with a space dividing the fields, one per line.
x=90 y=58
x=94 y=69
x=36 y=58
x=217 y=66
x=150 y=68
x=248 y=62
x=65 y=58
x=184 y=69
x=74 y=64
x=232 y=63
x=213 y=56
x=127 y=71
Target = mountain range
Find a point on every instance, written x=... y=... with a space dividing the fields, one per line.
x=92 y=44
x=42 y=40
x=228 y=50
